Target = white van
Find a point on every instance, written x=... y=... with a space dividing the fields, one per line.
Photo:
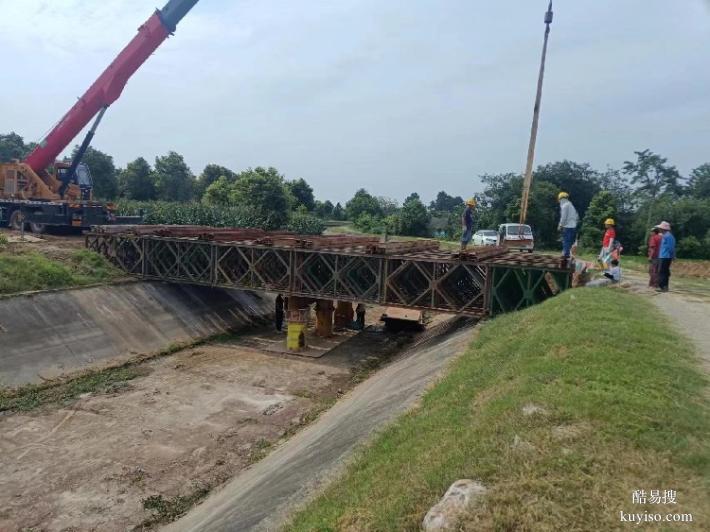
x=516 y=236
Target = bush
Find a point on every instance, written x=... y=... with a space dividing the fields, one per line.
x=692 y=248
x=3 y=241
x=305 y=224
x=367 y=223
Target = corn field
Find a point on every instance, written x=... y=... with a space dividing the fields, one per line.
x=176 y=213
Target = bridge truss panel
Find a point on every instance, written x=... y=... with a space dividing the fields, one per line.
x=423 y=281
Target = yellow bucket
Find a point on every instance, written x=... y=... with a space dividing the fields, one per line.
x=296 y=336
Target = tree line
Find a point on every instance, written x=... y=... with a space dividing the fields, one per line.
x=645 y=190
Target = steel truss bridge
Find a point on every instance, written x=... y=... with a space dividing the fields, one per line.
x=411 y=274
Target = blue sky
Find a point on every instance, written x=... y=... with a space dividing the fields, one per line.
x=395 y=96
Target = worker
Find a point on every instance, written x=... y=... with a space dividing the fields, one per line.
x=614 y=272
x=610 y=276
x=360 y=317
x=279 y=312
x=654 y=247
x=608 y=243
x=569 y=219
x=467 y=223
x=666 y=254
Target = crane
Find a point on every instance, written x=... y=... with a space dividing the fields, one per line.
x=40 y=190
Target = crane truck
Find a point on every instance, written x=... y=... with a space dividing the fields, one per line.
x=42 y=191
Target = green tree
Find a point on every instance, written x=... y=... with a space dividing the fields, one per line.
x=445 y=203
x=210 y=174
x=581 y=181
x=103 y=172
x=219 y=192
x=302 y=193
x=388 y=206
x=602 y=206
x=453 y=221
x=265 y=191
x=500 y=191
x=414 y=217
x=173 y=179
x=652 y=176
x=689 y=217
x=543 y=213
x=324 y=209
x=338 y=212
x=362 y=203
x=699 y=183
x=12 y=146
x=137 y=181
x=369 y=223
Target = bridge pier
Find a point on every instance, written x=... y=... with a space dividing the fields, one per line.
x=344 y=314
x=324 y=317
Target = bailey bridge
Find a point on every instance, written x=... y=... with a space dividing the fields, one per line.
x=414 y=274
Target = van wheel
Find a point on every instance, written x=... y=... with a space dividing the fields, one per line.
x=15 y=221
x=38 y=228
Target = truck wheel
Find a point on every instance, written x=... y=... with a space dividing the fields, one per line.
x=14 y=222
x=38 y=228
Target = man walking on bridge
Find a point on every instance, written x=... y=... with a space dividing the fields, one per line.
x=467 y=223
x=568 y=223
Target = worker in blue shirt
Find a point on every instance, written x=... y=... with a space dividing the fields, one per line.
x=665 y=256
x=467 y=223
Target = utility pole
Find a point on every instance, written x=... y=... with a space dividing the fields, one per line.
x=536 y=116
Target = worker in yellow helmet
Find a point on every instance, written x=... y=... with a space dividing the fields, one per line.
x=569 y=219
x=608 y=242
x=467 y=223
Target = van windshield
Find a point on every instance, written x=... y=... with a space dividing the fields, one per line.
x=515 y=229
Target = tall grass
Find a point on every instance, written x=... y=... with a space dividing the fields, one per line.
x=21 y=272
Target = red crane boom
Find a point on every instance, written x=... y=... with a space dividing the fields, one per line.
x=108 y=87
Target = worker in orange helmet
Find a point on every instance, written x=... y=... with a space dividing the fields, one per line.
x=467 y=223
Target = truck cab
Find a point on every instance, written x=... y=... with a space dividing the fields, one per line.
x=82 y=177
x=516 y=236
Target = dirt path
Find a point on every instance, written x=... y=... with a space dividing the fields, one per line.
x=688 y=310
x=261 y=497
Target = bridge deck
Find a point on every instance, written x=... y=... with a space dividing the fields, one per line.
x=412 y=274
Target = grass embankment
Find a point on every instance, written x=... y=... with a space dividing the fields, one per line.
x=31 y=270
x=623 y=408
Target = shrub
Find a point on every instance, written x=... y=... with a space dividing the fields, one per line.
x=3 y=241
x=692 y=248
x=367 y=223
x=305 y=224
